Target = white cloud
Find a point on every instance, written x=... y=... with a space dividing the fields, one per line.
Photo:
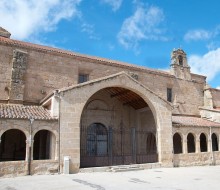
x=115 y=4
x=207 y=64
x=201 y=34
x=24 y=18
x=142 y=25
x=89 y=29
x=218 y=87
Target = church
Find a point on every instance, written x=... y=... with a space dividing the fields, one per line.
x=62 y=112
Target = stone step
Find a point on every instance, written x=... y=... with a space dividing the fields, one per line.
x=125 y=168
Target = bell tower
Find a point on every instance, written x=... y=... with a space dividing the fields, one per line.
x=179 y=66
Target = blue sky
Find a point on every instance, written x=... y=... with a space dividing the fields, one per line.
x=142 y=32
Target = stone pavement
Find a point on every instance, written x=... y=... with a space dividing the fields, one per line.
x=188 y=178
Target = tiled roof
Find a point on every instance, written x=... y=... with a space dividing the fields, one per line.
x=66 y=52
x=16 y=111
x=193 y=121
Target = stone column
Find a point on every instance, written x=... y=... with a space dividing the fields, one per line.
x=32 y=149
x=27 y=151
x=57 y=150
x=184 y=144
x=198 y=144
x=218 y=138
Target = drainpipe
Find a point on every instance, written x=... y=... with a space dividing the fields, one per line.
x=30 y=144
x=57 y=95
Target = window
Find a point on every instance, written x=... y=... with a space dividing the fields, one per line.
x=169 y=94
x=180 y=58
x=83 y=78
x=203 y=143
x=177 y=143
x=214 y=142
x=190 y=143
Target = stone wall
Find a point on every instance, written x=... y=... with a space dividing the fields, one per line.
x=44 y=167
x=216 y=97
x=12 y=169
x=211 y=114
x=20 y=168
x=73 y=101
x=47 y=71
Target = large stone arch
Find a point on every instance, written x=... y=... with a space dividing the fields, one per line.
x=73 y=100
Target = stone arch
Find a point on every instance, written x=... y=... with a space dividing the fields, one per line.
x=177 y=143
x=203 y=142
x=13 y=145
x=191 y=143
x=215 y=142
x=26 y=133
x=46 y=128
x=76 y=97
x=44 y=145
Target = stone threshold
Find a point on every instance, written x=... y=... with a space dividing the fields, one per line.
x=121 y=168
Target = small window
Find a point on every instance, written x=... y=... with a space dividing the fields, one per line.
x=169 y=94
x=180 y=57
x=83 y=78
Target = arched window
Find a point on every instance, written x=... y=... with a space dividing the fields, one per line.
x=13 y=145
x=214 y=142
x=151 y=143
x=180 y=58
x=97 y=140
x=190 y=143
x=177 y=143
x=203 y=143
x=44 y=145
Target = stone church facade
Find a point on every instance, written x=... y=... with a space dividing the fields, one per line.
x=57 y=104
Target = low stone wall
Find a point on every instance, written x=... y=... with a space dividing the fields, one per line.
x=44 y=166
x=13 y=168
x=20 y=168
x=196 y=159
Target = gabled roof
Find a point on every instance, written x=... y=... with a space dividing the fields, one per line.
x=193 y=122
x=123 y=73
x=17 y=111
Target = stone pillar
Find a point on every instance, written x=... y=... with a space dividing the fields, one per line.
x=218 y=138
x=198 y=150
x=184 y=144
x=27 y=150
x=57 y=150
x=32 y=149
x=209 y=144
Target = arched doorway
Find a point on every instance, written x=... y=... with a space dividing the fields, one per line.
x=117 y=127
x=13 y=145
x=191 y=143
x=214 y=142
x=177 y=143
x=44 y=145
x=97 y=140
x=203 y=143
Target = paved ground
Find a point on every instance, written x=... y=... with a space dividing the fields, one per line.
x=189 y=178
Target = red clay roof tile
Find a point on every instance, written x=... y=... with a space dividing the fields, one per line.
x=193 y=121
x=16 y=111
